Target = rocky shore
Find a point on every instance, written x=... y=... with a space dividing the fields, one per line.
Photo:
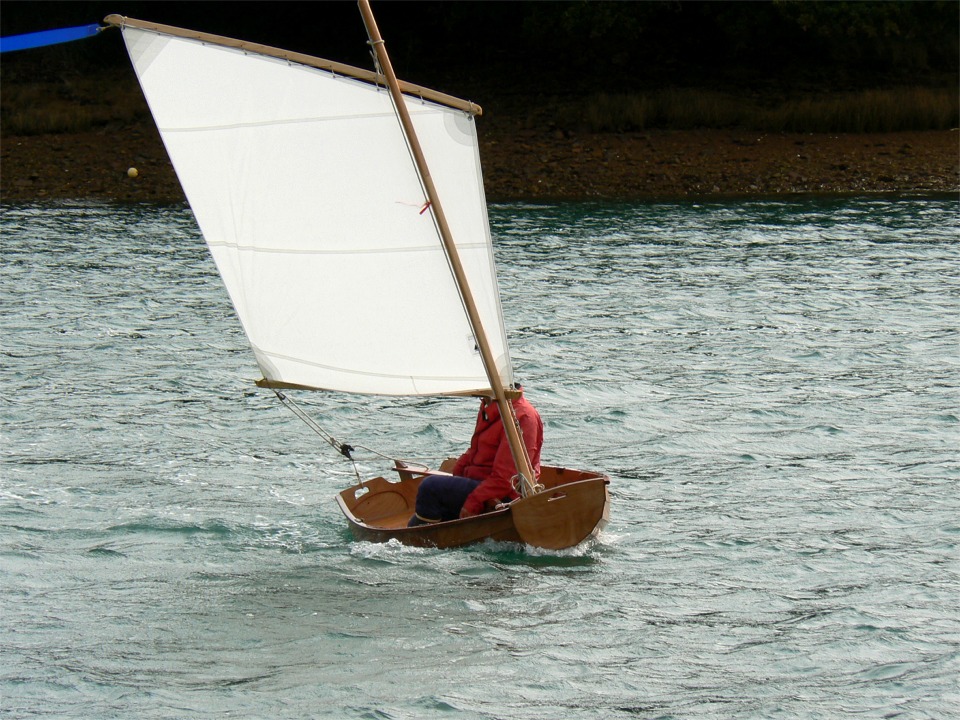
x=539 y=164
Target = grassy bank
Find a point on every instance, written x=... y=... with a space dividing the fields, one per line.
x=866 y=111
x=73 y=104
x=81 y=103
x=75 y=137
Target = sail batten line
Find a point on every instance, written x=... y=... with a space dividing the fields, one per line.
x=278 y=123
x=367 y=373
x=343 y=252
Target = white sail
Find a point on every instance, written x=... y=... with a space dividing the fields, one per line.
x=304 y=189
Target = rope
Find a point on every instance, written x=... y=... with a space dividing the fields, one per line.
x=344 y=449
x=373 y=53
x=525 y=488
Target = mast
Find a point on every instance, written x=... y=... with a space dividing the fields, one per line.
x=510 y=424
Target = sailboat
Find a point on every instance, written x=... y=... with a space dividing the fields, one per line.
x=345 y=212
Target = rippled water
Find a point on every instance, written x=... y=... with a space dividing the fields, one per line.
x=772 y=385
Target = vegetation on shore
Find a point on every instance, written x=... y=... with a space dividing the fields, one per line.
x=582 y=99
x=79 y=104
x=864 y=111
x=780 y=66
x=73 y=103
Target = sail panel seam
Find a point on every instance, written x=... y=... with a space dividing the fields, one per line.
x=270 y=123
x=352 y=251
x=369 y=373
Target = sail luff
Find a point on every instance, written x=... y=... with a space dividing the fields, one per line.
x=511 y=427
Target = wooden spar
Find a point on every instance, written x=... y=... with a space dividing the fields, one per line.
x=510 y=424
x=329 y=65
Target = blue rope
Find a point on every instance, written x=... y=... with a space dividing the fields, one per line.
x=47 y=37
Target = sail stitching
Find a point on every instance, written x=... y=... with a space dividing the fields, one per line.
x=269 y=123
x=344 y=252
x=365 y=373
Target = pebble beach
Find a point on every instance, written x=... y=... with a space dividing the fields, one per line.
x=539 y=164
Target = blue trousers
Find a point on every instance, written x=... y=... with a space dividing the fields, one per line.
x=441 y=497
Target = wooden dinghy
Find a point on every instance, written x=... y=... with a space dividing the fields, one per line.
x=378 y=510
x=320 y=190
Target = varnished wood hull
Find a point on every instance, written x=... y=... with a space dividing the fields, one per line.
x=574 y=505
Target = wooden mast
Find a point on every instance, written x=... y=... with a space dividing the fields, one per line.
x=510 y=424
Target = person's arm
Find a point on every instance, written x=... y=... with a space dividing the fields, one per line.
x=499 y=484
x=496 y=486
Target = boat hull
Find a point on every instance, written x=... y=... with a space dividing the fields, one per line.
x=573 y=506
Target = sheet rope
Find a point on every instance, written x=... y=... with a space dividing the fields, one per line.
x=344 y=449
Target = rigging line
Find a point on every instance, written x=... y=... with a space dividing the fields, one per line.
x=28 y=41
x=376 y=60
x=406 y=141
x=342 y=448
x=427 y=203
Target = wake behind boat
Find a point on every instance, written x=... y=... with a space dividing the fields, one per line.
x=346 y=215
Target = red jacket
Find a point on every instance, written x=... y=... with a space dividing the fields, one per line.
x=489 y=458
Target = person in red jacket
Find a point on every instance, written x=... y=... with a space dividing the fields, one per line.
x=483 y=476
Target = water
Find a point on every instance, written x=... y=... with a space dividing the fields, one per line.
x=772 y=385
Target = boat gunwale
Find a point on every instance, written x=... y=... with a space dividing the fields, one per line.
x=432 y=534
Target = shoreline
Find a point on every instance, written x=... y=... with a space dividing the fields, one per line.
x=542 y=165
